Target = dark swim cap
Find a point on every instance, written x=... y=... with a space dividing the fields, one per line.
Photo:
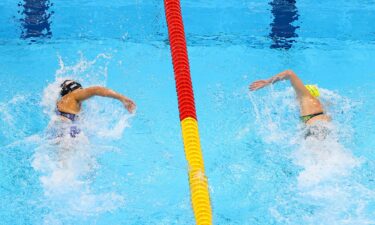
x=67 y=88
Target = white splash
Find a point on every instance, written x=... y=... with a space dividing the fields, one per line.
x=6 y=108
x=68 y=165
x=323 y=159
x=325 y=182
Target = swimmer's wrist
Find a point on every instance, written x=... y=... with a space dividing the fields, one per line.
x=124 y=99
x=278 y=77
x=127 y=101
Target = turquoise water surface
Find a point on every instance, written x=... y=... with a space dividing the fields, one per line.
x=131 y=169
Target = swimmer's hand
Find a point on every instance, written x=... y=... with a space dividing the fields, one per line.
x=259 y=84
x=129 y=104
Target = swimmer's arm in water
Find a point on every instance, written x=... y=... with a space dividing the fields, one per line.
x=86 y=93
x=297 y=84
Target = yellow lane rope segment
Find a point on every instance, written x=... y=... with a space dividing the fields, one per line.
x=197 y=178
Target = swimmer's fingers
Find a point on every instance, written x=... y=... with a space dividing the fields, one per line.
x=132 y=108
x=258 y=84
x=129 y=105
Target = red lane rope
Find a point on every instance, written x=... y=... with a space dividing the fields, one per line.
x=200 y=197
x=180 y=59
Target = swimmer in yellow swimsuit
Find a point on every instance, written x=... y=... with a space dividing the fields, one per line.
x=310 y=106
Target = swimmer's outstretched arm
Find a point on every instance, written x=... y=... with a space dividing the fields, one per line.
x=86 y=93
x=297 y=84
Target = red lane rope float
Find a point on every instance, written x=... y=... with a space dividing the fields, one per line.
x=197 y=179
x=180 y=59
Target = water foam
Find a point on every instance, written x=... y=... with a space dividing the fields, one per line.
x=11 y=127
x=68 y=165
x=325 y=184
x=323 y=159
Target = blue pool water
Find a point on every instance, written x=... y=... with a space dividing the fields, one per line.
x=130 y=169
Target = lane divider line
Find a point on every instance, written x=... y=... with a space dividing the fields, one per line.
x=198 y=183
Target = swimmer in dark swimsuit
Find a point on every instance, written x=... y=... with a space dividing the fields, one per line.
x=310 y=106
x=72 y=95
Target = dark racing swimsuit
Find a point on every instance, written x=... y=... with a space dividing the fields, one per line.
x=318 y=131
x=66 y=89
x=74 y=130
x=309 y=117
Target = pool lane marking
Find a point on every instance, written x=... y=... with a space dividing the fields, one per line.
x=198 y=183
